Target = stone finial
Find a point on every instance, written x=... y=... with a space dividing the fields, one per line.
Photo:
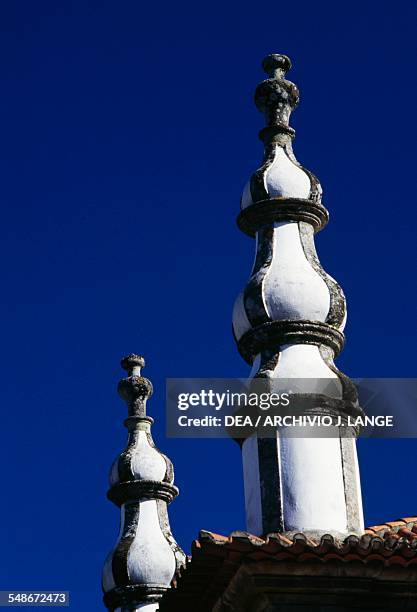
x=281 y=176
x=276 y=97
x=141 y=566
x=288 y=323
x=135 y=389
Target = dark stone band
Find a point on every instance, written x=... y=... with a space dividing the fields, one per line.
x=267 y=134
x=132 y=595
x=131 y=422
x=274 y=334
x=134 y=490
x=266 y=212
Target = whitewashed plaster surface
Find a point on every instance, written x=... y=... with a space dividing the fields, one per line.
x=282 y=178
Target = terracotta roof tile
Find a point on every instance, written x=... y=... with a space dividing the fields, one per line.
x=396 y=524
x=410 y=519
x=216 y=558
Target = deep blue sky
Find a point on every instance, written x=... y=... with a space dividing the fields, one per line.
x=127 y=133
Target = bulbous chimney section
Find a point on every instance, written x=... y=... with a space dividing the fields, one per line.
x=141 y=566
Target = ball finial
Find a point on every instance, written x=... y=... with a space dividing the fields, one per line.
x=132 y=363
x=275 y=64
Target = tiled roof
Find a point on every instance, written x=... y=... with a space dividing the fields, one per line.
x=216 y=558
x=394 y=542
